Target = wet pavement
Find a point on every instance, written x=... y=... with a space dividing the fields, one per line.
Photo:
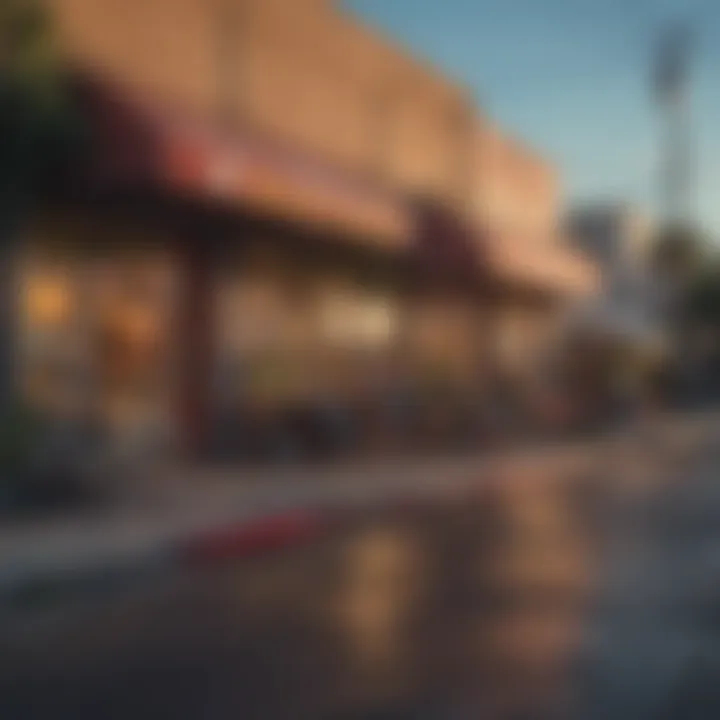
x=653 y=638
x=452 y=610
x=465 y=608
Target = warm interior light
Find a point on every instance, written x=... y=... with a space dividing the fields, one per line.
x=48 y=301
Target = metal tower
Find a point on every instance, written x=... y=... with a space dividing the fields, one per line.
x=676 y=171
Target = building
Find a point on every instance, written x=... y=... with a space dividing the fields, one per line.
x=279 y=205
x=618 y=238
x=518 y=210
x=617 y=235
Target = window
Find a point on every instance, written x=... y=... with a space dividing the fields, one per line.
x=358 y=321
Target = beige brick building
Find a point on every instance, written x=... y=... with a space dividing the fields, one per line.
x=303 y=69
x=280 y=149
x=517 y=207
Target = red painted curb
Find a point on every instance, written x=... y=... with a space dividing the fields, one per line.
x=276 y=532
x=249 y=538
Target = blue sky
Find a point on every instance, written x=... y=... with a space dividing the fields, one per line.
x=572 y=77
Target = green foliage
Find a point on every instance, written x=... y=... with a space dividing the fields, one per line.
x=685 y=254
x=38 y=132
x=679 y=251
x=702 y=304
x=28 y=57
x=37 y=125
x=19 y=434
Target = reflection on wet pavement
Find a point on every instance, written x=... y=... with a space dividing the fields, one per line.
x=462 y=609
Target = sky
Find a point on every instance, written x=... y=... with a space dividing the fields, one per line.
x=573 y=79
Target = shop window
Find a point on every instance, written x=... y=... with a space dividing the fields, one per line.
x=48 y=364
x=48 y=302
x=361 y=322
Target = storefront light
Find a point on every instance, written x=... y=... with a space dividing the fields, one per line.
x=358 y=322
x=48 y=301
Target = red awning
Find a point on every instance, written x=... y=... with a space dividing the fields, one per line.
x=141 y=142
x=547 y=264
x=144 y=144
x=449 y=245
x=446 y=245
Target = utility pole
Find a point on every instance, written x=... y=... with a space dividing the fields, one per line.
x=676 y=175
x=675 y=186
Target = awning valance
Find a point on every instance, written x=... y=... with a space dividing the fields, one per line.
x=143 y=142
x=542 y=263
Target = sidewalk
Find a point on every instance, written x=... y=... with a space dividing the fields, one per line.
x=652 y=648
x=190 y=516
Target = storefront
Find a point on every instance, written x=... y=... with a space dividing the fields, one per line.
x=216 y=279
x=191 y=274
x=291 y=333
x=95 y=340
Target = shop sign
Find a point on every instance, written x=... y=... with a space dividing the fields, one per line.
x=282 y=182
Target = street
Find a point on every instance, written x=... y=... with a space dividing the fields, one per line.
x=358 y=361
x=419 y=613
x=473 y=606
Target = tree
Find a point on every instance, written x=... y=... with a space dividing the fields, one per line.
x=679 y=258
x=679 y=252
x=689 y=276
x=36 y=118
x=37 y=130
x=702 y=302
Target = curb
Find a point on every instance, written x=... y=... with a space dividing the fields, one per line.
x=232 y=541
x=276 y=528
x=36 y=586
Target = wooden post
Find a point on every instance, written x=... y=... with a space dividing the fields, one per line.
x=196 y=345
x=10 y=248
